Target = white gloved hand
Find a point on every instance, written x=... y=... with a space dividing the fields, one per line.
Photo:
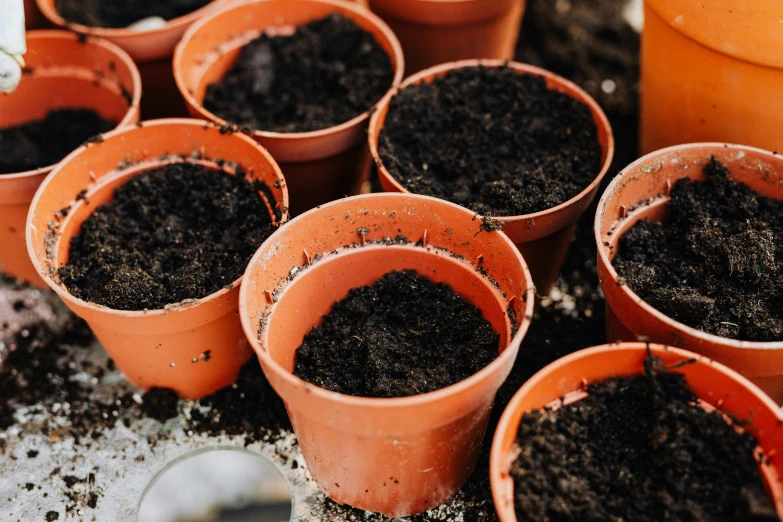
x=12 y=44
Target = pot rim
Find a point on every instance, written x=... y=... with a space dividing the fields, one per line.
x=498 y=459
x=53 y=15
x=251 y=329
x=397 y=55
x=119 y=53
x=603 y=255
x=376 y=126
x=68 y=297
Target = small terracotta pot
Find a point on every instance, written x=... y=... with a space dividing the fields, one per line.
x=65 y=74
x=155 y=348
x=320 y=166
x=397 y=456
x=543 y=237
x=714 y=384
x=433 y=32
x=712 y=72
x=151 y=49
x=641 y=191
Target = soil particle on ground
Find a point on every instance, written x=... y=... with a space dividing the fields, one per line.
x=250 y=408
x=488 y=138
x=637 y=448
x=716 y=264
x=160 y=404
x=326 y=73
x=45 y=142
x=122 y=13
x=51 y=516
x=174 y=233
x=402 y=335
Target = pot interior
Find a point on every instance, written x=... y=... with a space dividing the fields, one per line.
x=302 y=303
x=103 y=192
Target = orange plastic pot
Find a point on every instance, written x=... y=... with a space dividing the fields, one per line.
x=715 y=385
x=543 y=237
x=712 y=71
x=641 y=191
x=397 y=456
x=151 y=49
x=433 y=32
x=154 y=348
x=63 y=73
x=320 y=166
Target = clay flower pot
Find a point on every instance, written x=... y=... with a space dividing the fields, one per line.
x=714 y=384
x=64 y=73
x=150 y=48
x=396 y=456
x=543 y=237
x=712 y=71
x=439 y=31
x=320 y=166
x=154 y=348
x=641 y=191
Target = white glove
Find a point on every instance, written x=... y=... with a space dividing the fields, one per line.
x=12 y=44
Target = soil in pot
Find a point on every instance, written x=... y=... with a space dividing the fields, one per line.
x=174 y=233
x=490 y=139
x=326 y=73
x=122 y=13
x=45 y=142
x=716 y=263
x=402 y=335
x=637 y=448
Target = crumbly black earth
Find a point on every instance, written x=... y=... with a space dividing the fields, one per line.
x=717 y=264
x=174 y=233
x=45 y=142
x=122 y=13
x=326 y=73
x=402 y=335
x=160 y=404
x=488 y=138
x=641 y=449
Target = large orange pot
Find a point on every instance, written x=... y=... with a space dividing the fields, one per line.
x=155 y=348
x=64 y=73
x=433 y=32
x=712 y=71
x=322 y=165
x=397 y=456
x=714 y=384
x=150 y=48
x=543 y=237
x=641 y=191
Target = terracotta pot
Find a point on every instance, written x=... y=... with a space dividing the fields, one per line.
x=712 y=72
x=433 y=32
x=63 y=76
x=322 y=165
x=648 y=181
x=543 y=237
x=714 y=384
x=155 y=348
x=151 y=49
x=397 y=456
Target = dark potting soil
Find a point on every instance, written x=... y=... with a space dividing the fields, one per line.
x=174 y=233
x=641 y=449
x=326 y=73
x=488 y=138
x=160 y=404
x=717 y=263
x=122 y=13
x=402 y=335
x=45 y=142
